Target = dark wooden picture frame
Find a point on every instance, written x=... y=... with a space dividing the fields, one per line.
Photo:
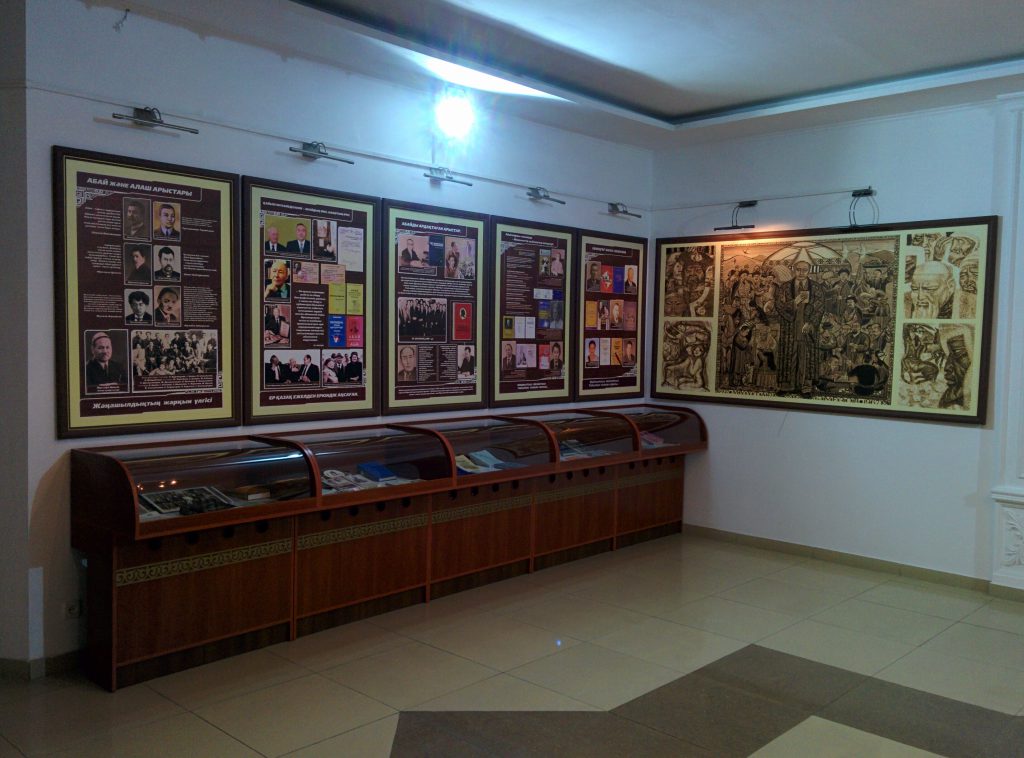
x=115 y=181
x=254 y=252
x=427 y=218
x=623 y=242
x=497 y=334
x=883 y=320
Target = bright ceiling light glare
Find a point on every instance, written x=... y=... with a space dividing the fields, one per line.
x=454 y=115
x=461 y=76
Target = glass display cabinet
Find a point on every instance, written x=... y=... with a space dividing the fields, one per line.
x=496 y=448
x=664 y=430
x=583 y=436
x=166 y=489
x=202 y=548
x=354 y=464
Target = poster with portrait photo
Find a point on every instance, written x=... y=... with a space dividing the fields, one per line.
x=165 y=359
x=112 y=216
x=138 y=266
x=434 y=263
x=166 y=220
x=343 y=367
x=136 y=224
x=608 y=263
x=325 y=308
x=167 y=263
x=325 y=242
x=137 y=307
x=534 y=278
x=883 y=320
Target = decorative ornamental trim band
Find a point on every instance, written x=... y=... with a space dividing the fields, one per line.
x=481 y=509
x=179 y=566
x=373 y=529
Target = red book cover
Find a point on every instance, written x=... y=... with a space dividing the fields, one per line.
x=607 y=278
x=354 y=331
x=462 y=321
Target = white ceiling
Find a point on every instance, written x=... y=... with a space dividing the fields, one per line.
x=679 y=66
x=656 y=73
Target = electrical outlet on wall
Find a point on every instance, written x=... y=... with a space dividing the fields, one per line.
x=73 y=609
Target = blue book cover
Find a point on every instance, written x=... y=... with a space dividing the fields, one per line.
x=378 y=472
x=618 y=278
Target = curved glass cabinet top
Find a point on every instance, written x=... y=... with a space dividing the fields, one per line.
x=664 y=428
x=484 y=446
x=211 y=476
x=581 y=435
x=363 y=459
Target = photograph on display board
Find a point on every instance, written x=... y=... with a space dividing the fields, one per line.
x=532 y=284
x=433 y=260
x=610 y=315
x=310 y=266
x=145 y=295
x=878 y=320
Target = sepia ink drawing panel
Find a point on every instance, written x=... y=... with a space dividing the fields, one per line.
x=889 y=319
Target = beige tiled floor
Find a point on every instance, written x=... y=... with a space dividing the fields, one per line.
x=589 y=635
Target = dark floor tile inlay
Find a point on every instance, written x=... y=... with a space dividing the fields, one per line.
x=786 y=678
x=926 y=721
x=731 y=707
x=515 y=734
x=721 y=718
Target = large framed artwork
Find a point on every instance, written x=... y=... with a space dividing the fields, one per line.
x=531 y=328
x=611 y=316
x=889 y=319
x=436 y=264
x=145 y=292
x=310 y=294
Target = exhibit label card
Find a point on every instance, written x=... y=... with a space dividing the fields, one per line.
x=144 y=295
x=887 y=319
x=611 y=311
x=435 y=262
x=533 y=285
x=310 y=286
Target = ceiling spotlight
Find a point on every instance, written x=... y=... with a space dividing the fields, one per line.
x=454 y=114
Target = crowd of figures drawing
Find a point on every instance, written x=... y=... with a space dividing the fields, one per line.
x=888 y=320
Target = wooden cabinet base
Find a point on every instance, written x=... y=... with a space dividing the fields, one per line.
x=161 y=605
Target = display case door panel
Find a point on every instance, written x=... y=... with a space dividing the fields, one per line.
x=650 y=494
x=479 y=528
x=360 y=553
x=183 y=591
x=577 y=508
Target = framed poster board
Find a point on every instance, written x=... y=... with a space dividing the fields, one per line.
x=436 y=263
x=531 y=325
x=310 y=294
x=145 y=291
x=889 y=319
x=611 y=316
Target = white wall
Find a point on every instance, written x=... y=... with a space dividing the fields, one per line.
x=905 y=491
x=13 y=412
x=250 y=105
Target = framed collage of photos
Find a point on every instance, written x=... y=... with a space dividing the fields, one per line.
x=611 y=316
x=310 y=286
x=533 y=289
x=144 y=295
x=436 y=265
x=890 y=319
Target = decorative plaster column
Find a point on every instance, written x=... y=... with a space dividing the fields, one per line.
x=1008 y=413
